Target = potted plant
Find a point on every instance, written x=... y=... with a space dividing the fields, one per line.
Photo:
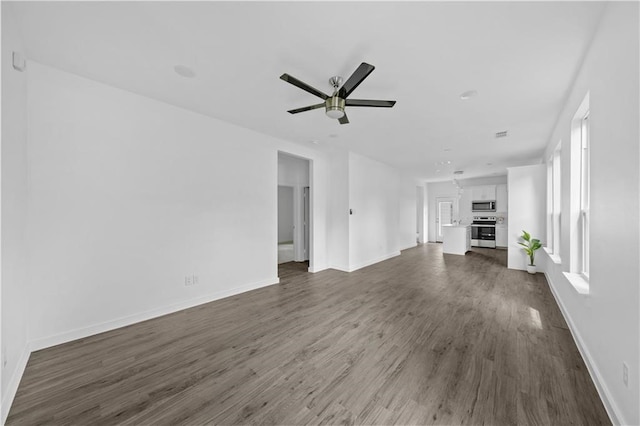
x=530 y=246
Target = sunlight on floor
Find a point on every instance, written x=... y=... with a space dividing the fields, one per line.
x=535 y=318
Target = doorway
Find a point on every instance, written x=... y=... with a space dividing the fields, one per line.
x=420 y=215
x=306 y=215
x=444 y=214
x=285 y=224
x=295 y=233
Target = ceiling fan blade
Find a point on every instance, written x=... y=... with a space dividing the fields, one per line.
x=343 y=119
x=304 y=86
x=369 y=103
x=356 y=78
x=307 y=108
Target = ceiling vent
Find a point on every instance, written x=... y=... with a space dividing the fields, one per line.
x=502 y=134
x=458 y=172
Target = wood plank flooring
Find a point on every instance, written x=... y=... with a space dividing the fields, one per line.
x=423 y=338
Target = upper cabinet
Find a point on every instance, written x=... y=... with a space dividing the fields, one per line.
x=502 y=204
x=484 y=192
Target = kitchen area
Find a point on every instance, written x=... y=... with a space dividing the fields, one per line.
x=475 y=216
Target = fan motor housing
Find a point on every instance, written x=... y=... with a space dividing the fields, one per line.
x=335 y=107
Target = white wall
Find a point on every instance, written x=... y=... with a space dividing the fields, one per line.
x=373 y=199
x=128 y=195
x=383 y=206
x=285 y=214
x=408 y=221
x=606 y=322
x=292 y=171
x=527 y=207
x=338 y=226
x=421 y=213
x=14 y=215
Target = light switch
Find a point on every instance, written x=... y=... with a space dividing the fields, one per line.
x=19 y=63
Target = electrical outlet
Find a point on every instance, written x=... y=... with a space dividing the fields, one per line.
x=188 y=280
x=625 y=374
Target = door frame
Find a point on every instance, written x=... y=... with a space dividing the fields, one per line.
x=438 y=236
x=299 y=234
x=306 y=222
x=421 y=223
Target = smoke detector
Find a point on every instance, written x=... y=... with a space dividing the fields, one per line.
x=469 y=94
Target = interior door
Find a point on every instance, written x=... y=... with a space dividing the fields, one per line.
x=305 y=219
x=444 y=215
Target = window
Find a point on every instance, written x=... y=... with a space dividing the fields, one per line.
x=579 y=194
x=554 y=204
x=583 y=224
x=550 y=205
x=557 y=201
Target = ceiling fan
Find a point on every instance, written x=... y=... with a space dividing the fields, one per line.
x=336 y=103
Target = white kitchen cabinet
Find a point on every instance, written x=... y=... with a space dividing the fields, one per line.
x=502 y=204
x=456 y=239
x=483 y=192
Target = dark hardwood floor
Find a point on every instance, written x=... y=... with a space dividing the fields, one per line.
x=423 y=338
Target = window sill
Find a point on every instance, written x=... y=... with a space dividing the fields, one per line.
x=554 y=257
x=578 y=282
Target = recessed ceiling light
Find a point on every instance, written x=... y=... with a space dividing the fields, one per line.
x=469 y=94
x=437 y=171
x=184 y=71
x=315 y=141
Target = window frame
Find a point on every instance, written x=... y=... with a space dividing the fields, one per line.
x=554 y=203
x=585 y=193
x=577 y=217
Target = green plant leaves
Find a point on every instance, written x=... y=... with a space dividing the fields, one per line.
x=530 y=246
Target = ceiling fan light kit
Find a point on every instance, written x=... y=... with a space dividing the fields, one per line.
x=335 y=107
x=336 y=103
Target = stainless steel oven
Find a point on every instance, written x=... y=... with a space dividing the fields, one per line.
x=483 y=231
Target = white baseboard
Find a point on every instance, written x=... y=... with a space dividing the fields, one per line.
x=409 y=246
x=610 y=405
x=12 y=387
x=372 y=261
x=317 y=269
x=83 y=332
x=338 y=267
x=35 y=345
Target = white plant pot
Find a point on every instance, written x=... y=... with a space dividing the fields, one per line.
x=531 y=269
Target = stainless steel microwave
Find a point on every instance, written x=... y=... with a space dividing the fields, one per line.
x=483 y=206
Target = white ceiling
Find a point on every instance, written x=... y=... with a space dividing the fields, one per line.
x=521 y=58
